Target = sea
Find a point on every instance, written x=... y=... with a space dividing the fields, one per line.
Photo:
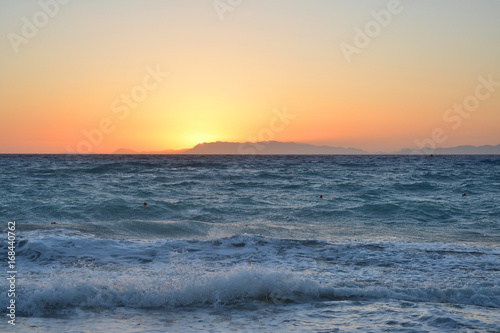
x=234 y=243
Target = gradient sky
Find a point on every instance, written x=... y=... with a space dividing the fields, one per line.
x=227 y=78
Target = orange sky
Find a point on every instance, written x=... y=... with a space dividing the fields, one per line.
x=89 y=76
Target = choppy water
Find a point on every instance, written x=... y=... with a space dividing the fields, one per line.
x=246 y=243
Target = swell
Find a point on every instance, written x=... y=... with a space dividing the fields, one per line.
x=238 y=286
x=66 y=270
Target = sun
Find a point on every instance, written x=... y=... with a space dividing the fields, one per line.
x=189 y=140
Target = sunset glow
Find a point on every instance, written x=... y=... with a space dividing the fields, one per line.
x=95 y=77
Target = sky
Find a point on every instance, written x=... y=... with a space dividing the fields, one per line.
x=94 y=76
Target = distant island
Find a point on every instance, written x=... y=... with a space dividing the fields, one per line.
x=260 y=148
x=293 y=148
x=459 y=150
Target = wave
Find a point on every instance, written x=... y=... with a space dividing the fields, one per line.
x=58 y=244
x=67 y=270
x=237 y=287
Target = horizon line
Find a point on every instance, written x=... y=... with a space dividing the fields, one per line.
x=182 y=151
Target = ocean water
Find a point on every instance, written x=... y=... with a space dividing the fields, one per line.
x=246 y=243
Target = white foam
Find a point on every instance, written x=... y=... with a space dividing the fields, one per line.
x=184 y=286
x=69 y=272
x=87 y=289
